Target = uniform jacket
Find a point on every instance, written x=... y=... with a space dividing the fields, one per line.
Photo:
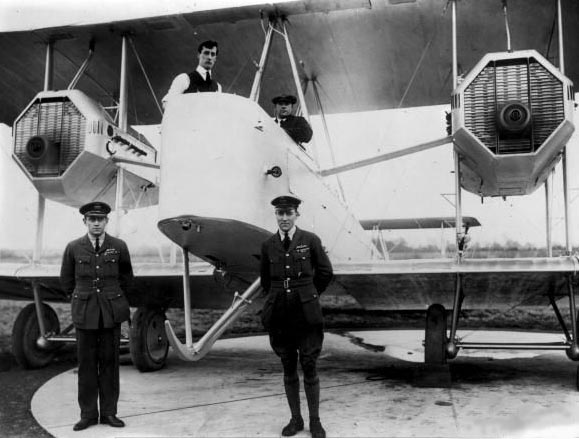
x=199 y=84
x=307 y=267
x=98 y=283
x=298 y=128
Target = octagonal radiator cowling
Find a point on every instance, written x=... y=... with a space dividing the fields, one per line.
x=66 y=144
x=512 y=116
x=57 y=128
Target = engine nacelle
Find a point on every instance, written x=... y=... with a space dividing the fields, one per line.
x=66 y=144
x=511 y=116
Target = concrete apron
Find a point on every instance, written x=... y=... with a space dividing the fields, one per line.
x=366 y=391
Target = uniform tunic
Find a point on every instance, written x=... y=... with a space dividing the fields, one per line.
x=294 y=279
x=97 y=283
x=298 y=128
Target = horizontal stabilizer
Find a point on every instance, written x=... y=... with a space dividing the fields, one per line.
x=417 y=223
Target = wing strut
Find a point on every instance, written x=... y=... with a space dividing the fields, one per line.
x=256 y=87
x=83 y=67
x=194 y=352
x=387 y=156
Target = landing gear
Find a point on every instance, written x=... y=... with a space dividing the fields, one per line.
x=148 y=340
x=435 y=335
x=29 y=346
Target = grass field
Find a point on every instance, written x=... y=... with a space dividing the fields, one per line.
x=340 y=314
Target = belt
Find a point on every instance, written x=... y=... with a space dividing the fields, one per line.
x=101 y=283
x=288 y=283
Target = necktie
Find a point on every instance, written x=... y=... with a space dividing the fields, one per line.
x=286 y=241
x=208 y=77
x=97 y=246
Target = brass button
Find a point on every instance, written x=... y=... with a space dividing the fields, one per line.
x=288 y=291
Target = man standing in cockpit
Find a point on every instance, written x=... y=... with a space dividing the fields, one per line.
x=201 y=79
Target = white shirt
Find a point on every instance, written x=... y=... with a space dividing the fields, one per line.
x=291 y=232
x=93 y=239
x=181 y=83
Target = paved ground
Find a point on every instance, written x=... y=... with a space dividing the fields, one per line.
x=368 y=390
x=18 y=386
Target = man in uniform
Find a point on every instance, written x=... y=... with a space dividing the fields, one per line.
x=96 y=272
x=295 y=270
x=201 y=79
x=296 y=126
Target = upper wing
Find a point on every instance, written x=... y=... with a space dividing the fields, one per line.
x=364 y=55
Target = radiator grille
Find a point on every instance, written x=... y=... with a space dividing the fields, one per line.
x=502 y=82
x=59 y=120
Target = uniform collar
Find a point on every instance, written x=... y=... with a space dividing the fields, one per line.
x=291 y=233
x=93 y=240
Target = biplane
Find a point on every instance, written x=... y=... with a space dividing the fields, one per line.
x=222 y=157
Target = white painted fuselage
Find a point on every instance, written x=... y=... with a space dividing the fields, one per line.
x=215 y=191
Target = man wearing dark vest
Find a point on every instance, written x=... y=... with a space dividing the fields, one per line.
x=201 y=79
x=297 y=127
x=96 y=272
x=295 y=270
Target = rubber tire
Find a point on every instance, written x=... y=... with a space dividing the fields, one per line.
x=26 y=332
x=147 y=339
x=435 y=335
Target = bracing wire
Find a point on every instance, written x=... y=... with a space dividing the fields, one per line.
x=327 y=133
x=146 y=76
x=422 y=56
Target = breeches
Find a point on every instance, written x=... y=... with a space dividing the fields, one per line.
x=98 y=371
x=304 y=345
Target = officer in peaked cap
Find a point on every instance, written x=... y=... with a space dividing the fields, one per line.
x=284 y=99
x=96 y=272
x=296 y=126
x=96 y=208
x=295 y=270
x=286 y=201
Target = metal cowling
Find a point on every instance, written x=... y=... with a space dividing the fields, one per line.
x=58 y=120
x=502 y=82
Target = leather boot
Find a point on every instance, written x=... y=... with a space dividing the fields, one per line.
x=295 y=425
x=316 y=428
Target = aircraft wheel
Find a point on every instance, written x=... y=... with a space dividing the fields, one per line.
x=27 y=350
x=148 y=340
x=435 y=335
